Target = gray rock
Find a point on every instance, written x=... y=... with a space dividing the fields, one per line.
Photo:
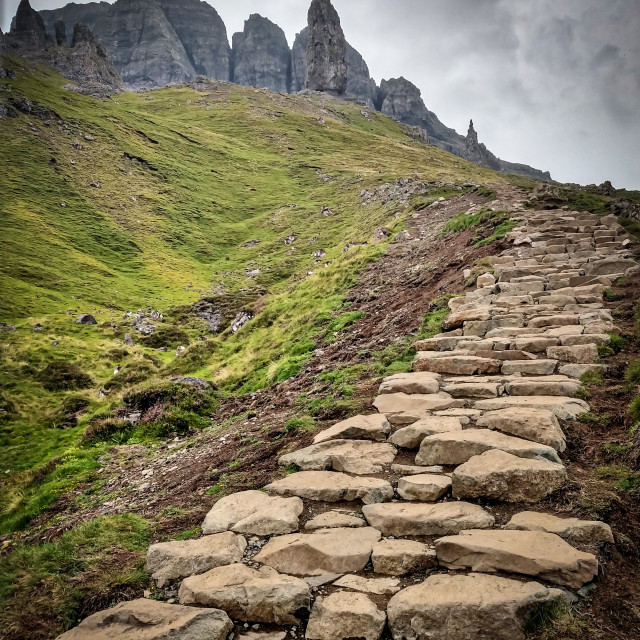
x=86 y=318
x=327 y=49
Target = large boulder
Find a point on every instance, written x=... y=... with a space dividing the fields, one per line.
x=532 y=553
x=345 y=615
x=180 y=559
x=253 y=512
x=146 y=619
x=471 y=607
x=330 y=486
x=326 y=50
x=247 y=594
x=502 y=476
x=323 y=552
x=402 y=519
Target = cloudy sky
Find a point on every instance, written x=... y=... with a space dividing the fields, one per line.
x=552 y=83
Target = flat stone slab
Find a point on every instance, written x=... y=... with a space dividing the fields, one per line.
x=250 y=595
x=325 y=551
x=359 y=457
x=501 y=476
x=405 y=418
x=376 y=586
x=543 y=386
x=374 y=427
x=419 y=382
x=390 y=403
x=530 y=367
x=426 y=487
x=146 y=619
x=532 y=553
x=334 y=520
x=469 y=607
x=414 y=470
x=563 y=408
x=331 y=486
x=459 y=446
x=345 y=615
x=457 y=365
x=538 y=425
x=410 y=437
x=574 y=530
x=253 y=512
x=398 y=557
x=412 y=519
x=578 y=354
x=180 y=559
x=472 y=389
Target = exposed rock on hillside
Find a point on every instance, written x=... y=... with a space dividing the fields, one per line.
x=261 y=56
x=28 y=30
x=478 y=153
x=327 y=50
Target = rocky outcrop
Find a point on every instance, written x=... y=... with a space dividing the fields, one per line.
x=261 y=56
x=327 y=50
x=28 y=30
x=181 y=40
x=360 y=85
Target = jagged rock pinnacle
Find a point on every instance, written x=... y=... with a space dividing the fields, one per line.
x=327 y=50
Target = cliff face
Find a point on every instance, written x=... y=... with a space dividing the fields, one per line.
x=261 y=56
x=154 y=42
x=360 y=85
x=327 y=49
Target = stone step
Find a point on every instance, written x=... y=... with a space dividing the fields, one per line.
x=323 y=552
x=249 y=595
x=498 y=475
x=573 y=530
x=457 y=365
x=531 y=553
x=132 y=620
x=460 y=446
x=469 y=607
x=377 y=586
x=253 y=512
x=420 y=382
x=360 y=457
x=399 y=557
x=335 y=520
x=562 y=407
x=330 y=486
x=538 y=425
x=412 y=519
x=410 y=437
x=426 y=487
x=374 y=427
x=168 y=561
x=391 y=403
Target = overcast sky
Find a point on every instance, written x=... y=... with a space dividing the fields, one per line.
x=551 y=83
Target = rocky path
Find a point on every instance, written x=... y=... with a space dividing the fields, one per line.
x=421 y=521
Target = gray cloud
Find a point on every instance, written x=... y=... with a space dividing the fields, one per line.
x=553 y=83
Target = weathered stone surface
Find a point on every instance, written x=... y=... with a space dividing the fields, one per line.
x=459 y=446
x=457 y=365
x=334 y=520
x=574 y=530
x=419 y=382
x=535 y=344
x=325 y=551
x=253 y=512
x=501 y=476
x=247 y=594
x=345 y=615
x=398 y=519
x=359 y=457
x=457 y=319
x=579 y=354
x=532 y=553
x=544 y=386
x=146 y=619
x=553 y=321
x=405 y=418
x=373 y=427
x=425 y=488
x=172 y=560
x=470 y=607
x=609 y=266
x=563 y=408
x=86 y=318
x=538 y=425
x=327 y=49
x=530 y=367
x=377 y=586
x=390 y=403
x=414 y=470
x=578 y=370
x=410 y=437
x=330 y=486
x=261 y=56
x=474 y=390
x=397 y=557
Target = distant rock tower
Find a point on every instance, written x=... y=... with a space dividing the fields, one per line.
x=327 y=50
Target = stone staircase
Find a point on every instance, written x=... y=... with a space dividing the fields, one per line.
x=398 y=523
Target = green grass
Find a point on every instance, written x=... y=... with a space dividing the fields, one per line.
x=494 y=223
x=43 y=586
x=621 y=477
x=594 y=419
